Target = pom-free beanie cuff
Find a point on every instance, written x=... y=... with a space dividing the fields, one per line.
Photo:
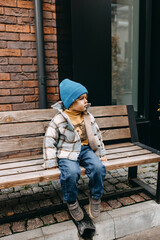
x=70 y=91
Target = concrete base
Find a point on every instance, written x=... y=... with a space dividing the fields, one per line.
x=110 y=225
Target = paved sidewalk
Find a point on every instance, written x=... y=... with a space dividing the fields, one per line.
x=149 y=234
x=32 y=197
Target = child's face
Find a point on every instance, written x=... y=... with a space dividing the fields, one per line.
x=80 y=104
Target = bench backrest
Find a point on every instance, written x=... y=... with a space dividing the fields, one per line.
x=24 y=130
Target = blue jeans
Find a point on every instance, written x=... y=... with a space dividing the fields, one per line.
x=70 y=174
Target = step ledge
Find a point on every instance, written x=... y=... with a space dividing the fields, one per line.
x=110 y=225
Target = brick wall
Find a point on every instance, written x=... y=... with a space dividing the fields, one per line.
x=18 y=63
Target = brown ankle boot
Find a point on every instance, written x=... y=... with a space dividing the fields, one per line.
x=76 y=211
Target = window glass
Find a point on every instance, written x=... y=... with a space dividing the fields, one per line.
x=125 y=42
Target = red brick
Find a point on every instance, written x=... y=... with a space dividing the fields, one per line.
x=4 y=76
x=33 y=29
x=51 y=61
x=3 y=61
x=16 y=12
x=4 y=92
x=50 y=38
x=31 y=98
x=27 y=37
x=10 y=52
x=25 y=4
x=105 y=207
x=54 y=15
x=22 y=106
x=10 y=68
x=29 y=53
x=49 y=23
x=51 y=53
x=49 y=7
x=51 y=45
x=53 y=82
x=22 y=76
x=47 y=15
x=18 y=226
x=5 y=229
x=2 y=27
x=19 y=45
x=30 y=84
x=25 y=20
x=22 y=91
x=7 y=19
x=17 y=28
x=146 y=197
x=20 y=60
x=62 y=216
x=114 y=204
x=52 y=68
x=10 y=84
x=50 y=30
x=10 y=3
x=137 y=198
x=36 y=91
x=3 y=44
x=34 y=223
x=52 y=90
x=126 y=201
x=29 y=68
x=52 y=97
x=6 y=107
x=1 y=10
x=9 y=36
x=48 y=219
x=11 y=99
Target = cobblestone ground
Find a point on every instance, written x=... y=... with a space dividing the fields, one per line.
x=32 y=197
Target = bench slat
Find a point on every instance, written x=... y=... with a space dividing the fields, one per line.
x=29 y=178
x=21 y=144
x=53 y=174
x=131 y=161
x=18 y=129
x=127 y=154
x=20 y=170
x=47 y=114
x=118 y=145
x=116 y=110
x=123 y=149
x=114 y=134
x=36 y=142
x=110 y=122
x=21 y=164
x=26 y=116
x=37 y=166
x=26 y=128
x=20 y=159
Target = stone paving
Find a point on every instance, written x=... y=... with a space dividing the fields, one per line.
x=32 y=197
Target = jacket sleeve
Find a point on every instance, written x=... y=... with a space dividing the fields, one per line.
x=49 y=146
x=102 y=148
x=97 y=132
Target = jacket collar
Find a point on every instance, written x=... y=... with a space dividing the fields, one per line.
x=60 y=107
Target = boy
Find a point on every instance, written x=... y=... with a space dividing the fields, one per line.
x=72 y=139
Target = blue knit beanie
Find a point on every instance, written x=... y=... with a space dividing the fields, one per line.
x=70 y=91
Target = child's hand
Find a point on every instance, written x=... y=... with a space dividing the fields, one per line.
x=103 y=158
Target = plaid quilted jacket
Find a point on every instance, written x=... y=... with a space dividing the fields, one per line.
x=62 y=140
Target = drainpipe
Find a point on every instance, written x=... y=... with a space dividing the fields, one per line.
x=40 y=53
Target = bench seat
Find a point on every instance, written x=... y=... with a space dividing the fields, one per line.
x=21 y=141
x=28 y=170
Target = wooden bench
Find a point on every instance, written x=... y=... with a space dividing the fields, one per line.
x=21 y=138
